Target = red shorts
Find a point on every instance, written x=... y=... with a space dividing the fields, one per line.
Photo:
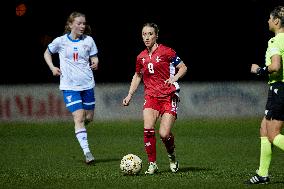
x=163 y=105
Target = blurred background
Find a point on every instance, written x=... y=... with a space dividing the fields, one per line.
x=217 y=40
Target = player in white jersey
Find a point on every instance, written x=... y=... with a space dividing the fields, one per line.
x=78 y=57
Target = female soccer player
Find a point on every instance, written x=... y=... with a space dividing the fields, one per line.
x=78 y=57
x=160 y=68
x=272 y=123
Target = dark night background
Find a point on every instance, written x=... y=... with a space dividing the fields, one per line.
x=218 y=40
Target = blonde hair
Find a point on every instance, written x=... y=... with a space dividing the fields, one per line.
x=71 y=18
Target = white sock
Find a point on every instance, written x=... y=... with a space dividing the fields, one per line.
x=81 y=135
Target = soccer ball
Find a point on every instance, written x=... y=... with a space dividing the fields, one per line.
x=130 y=164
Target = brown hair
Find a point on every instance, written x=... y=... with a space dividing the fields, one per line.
x=152 y=25
x=278 y=12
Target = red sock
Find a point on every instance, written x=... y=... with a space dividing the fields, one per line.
x=150 y=144
x=169 y=143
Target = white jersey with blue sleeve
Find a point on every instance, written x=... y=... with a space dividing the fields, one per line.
x=74 y=57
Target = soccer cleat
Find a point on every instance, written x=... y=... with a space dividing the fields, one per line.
x=153 y=168
x=256 y=179
x=89 y=158
x=174 y=165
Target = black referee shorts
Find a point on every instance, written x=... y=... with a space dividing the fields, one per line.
x=275 y=102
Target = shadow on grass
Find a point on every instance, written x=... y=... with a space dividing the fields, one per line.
x=100 y=161
x=188 y=169
x=276 y=182
x=107 y=160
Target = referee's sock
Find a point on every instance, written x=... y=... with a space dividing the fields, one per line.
x=265 y=157
x=279 y=141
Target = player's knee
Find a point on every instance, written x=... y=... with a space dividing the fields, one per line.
x=78 y=119
x=263 y=131
x=165 y=132
x=163 y=136
x=89 y=117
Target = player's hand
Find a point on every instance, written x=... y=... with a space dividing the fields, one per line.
x=56 y=71
x=254 y=68
x=170 y=81
x=126 y=100
x=94 y=66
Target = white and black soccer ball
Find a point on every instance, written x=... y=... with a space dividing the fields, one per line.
x=130 y=164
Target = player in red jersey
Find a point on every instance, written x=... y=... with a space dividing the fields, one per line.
x=160 y=68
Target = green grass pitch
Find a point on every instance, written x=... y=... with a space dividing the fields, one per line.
x=212 y=153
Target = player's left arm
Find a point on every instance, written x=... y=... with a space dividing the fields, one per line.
x=94 y=62
x=275 y=65
x=276 y=59
x=182 y=69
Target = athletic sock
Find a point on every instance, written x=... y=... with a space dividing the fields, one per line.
x=279 y=141
x=81 y=135
x=150 y=144
x=265 y=156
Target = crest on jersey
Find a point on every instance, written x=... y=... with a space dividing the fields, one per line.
x=69 y=98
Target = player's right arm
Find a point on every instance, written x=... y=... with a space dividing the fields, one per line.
x=48 y=59
x=273 y=60
x=133 y=87
x=275 y=65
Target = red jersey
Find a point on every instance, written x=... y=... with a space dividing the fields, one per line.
x=156 y=69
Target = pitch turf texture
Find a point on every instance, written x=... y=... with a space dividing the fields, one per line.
x=212 y=154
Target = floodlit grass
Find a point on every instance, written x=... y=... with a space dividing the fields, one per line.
x=212 y=154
